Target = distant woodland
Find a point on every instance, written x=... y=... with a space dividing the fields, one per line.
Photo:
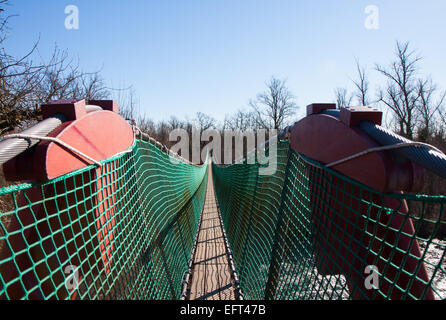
x=412 y=101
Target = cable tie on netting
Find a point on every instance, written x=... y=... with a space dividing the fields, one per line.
x=384 y=148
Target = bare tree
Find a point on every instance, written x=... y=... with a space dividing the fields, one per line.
x=274 y=106
x=129 y=107
x=343 y=98
x=63 y=79
x=26 y=84
x=241 y=120
x=175 y=123
x=205 y=121
x=361 y=85
x=146 y=125
x=18 y=77
x=430 y=106
x=401 y=94
x=93 y=87
x=442 y=114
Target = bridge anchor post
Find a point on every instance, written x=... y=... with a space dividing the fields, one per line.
x=351 y=230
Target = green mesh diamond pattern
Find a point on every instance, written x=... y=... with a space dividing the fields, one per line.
x=309 y=233
x=124 y=231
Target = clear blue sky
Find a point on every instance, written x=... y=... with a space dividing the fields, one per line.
x=212 y=56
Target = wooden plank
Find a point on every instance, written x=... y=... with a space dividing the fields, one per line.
x=211 y=275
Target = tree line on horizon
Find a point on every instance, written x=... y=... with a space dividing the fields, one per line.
x=413 y=101
x=415 y=104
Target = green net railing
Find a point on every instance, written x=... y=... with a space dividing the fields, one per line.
x=124 y=231
x=309 y=233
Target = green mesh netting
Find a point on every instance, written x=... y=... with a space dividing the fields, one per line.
x=125 y=231
x=307 y=232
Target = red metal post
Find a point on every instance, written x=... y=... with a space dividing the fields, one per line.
x=349 y=235
x=100 y=135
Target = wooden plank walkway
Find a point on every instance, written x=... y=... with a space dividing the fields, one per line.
x=211 y=274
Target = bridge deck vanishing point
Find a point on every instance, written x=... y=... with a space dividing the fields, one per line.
x=211 y=273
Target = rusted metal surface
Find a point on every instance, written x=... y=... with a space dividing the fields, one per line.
x=211 y=277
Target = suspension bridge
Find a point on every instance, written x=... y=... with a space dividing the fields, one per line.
x=107 y=212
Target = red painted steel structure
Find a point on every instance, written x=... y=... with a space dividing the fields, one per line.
x=326 y=139
x=100 y=135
